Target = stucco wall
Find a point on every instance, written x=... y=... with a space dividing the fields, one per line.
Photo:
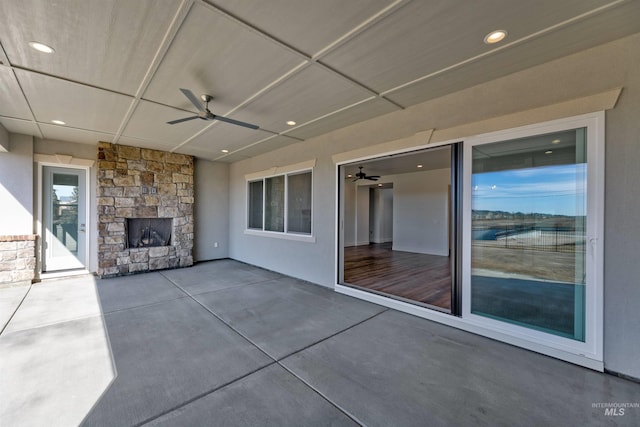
x=16 y=171
x=211 y=210
x=481 y=109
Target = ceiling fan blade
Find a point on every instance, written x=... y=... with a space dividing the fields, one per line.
x=374 y=176
x=186 y=119
x=194 y=100
x=235 y=122
x=371 y=178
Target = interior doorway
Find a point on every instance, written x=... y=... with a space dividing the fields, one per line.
x=404 y=202
x=64 y=218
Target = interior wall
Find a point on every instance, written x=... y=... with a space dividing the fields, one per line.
x=362 y=215
x=16 y=186
x=211 y=210
x=388 y=215
x=612 y=65
x=420 y=212
x=381 y=215
x=349 y=207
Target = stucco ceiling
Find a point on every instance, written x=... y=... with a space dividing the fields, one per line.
x=118 y=64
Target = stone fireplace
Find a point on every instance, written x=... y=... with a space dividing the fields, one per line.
x=145 y=210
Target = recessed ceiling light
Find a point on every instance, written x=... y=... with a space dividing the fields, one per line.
x=420 y=166
x=349 y=176
x=379 y=185
x=548 y=152
x=58 y=122
x=225 y=151
x=291 y=123
x=495 y=36
x=555 y=141
x=41 y=47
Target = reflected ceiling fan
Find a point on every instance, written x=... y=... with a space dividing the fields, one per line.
x=362 y=175
x=205 y=114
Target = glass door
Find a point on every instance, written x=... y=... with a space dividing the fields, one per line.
x=532 y=247
x=528 y=227
x=399 y=233
x=64 y=218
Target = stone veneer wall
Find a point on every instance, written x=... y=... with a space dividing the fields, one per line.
x=127 y=179
x=17 y=259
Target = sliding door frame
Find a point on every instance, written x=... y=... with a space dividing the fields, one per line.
x=588 y=354
x=592 y=347
x=455 y=216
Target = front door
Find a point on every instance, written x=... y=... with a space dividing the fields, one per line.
x=64 y=218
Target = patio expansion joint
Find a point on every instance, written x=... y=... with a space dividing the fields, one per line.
x=275 y=360
x=16 y=310
x=151 y=304
x=201 y=395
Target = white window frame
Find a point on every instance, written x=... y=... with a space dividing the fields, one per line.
x=542 y=342
x=305 y=167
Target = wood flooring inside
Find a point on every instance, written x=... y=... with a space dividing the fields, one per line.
x=417 y=277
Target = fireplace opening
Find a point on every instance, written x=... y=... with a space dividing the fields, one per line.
x=147 y=232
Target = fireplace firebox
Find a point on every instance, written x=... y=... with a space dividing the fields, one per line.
x=148 y=232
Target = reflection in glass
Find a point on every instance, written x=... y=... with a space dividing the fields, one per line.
x=528 y=232
x=65 y=214
x=274 y=203
x=255 y=205
x=299 y=203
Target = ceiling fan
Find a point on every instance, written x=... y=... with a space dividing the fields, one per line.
x=362 y=175
x=205 y=114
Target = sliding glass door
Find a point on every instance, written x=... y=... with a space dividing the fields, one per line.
x=528 y=229
x=399 y=227
x=532 y=262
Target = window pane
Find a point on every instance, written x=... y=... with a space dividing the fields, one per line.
x=528 y=225
x=255 y=205
x=274 y=204
x=299 y=203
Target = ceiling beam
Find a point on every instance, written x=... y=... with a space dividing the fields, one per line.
x=172 y=30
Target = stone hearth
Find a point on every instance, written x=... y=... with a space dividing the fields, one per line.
x=140 y=183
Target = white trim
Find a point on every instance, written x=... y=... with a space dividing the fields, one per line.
x=374 y=155
x=286 y=171
x=419 y=139
x=281 y=170
x=74 y=163
x=63 y=160
x=592 y=348
x=281 y=235
x=470 y=326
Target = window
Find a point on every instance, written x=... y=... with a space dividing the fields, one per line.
x=255 y=204
x=280 y=203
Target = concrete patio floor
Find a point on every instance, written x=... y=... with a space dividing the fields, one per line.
x=228 y=344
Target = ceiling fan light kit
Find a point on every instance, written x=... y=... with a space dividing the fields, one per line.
x=205 y=113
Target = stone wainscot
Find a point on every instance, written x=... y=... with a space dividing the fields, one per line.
x=140 y=183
